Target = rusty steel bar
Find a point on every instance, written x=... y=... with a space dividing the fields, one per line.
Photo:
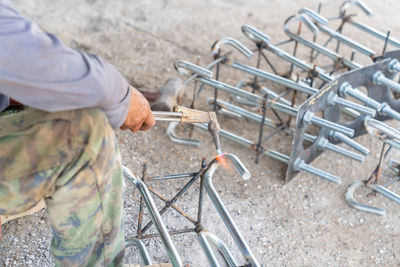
x=172 y=205
x=174 y=199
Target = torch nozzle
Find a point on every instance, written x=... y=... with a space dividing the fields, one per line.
x=213 y=128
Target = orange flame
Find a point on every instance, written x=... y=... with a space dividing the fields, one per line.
x=223 y=162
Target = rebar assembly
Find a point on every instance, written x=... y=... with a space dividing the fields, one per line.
x=209 y=242
x=328 y=99
x=321 y=102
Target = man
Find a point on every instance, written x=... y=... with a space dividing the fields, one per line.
x=62 y=146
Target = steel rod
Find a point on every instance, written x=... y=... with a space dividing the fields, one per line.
x=223 y=212
x=155 y=218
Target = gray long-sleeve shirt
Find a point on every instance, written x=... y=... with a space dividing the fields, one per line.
x=37 y=70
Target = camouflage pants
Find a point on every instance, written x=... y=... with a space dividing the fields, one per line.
x=72 y=160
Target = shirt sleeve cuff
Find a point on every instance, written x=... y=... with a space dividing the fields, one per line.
x=117 y=115
x=4 y=102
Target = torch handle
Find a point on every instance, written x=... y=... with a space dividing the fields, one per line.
x=183 y=115
x=187 y=115
x=191 y=115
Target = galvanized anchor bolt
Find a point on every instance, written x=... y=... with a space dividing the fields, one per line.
x=274 y=78
x=278 y=156
x=347 y=41
x=300 y=165
x=394 y=66
x=357 y=205
x=255 y=35
x=367 y=208
x=386 y=192
x=382 y=108
x=380 y=79
x=189 y=69
x=387 y=110
x=361 y=5
x=307 y=117
x=273 y=95
x=310 y=118
x=216 y=48
x=323 y=144
x=176 y=139
x=350 y=142
x=346 y=89
x=392 y=143
x=241 y=112
x=334 y=99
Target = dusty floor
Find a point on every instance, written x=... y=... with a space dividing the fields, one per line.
x=303 y=223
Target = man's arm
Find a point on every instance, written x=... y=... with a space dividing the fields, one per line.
x=4 y=102
x=37 y=70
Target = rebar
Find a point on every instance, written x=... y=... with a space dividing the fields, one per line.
x=156 y=218
x=220 y=207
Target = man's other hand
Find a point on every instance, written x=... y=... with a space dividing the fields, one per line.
x=14 y=102
x=139 y=115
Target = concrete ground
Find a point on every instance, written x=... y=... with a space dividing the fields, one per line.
x=303 y=223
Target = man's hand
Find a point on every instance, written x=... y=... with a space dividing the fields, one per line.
x=139 y=115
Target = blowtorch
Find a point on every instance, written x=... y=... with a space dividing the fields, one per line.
x=187 y=115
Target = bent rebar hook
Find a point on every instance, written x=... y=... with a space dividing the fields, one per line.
x=212 y=128
x=388 y=135
x=189 y=69
x=255 y=35
x=381 y=130
x=312 y=14
x=155 y=217
x=367 y=208
x=206 y=239
x=180 y=140
x=143 y=253
x=220 y=207
x=216 y=47
x=346 y=4
x=303 y=17
x=261 y=39
x=343 y=39
x=364 y=27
